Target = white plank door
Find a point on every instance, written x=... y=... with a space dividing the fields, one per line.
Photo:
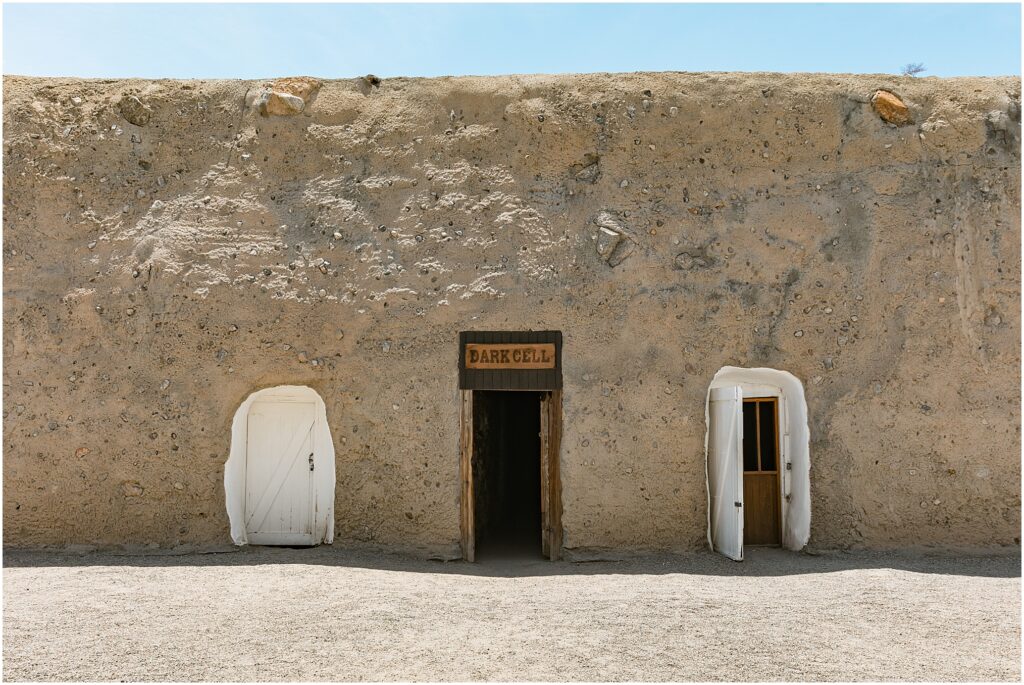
x=279 y=473
x=725 y=470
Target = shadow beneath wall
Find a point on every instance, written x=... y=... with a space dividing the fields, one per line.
x=760 y=562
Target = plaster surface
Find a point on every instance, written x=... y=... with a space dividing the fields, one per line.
x=157 y=273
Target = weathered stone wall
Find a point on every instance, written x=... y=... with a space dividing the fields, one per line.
x=171 y=246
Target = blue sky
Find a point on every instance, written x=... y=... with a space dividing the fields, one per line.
x=345 y=40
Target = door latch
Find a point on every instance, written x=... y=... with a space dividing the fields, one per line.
x=738 y=504
x=310 y=461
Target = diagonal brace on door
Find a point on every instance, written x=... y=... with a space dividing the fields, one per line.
x=276 y=482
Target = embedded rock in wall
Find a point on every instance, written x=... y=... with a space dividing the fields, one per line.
x=271 y=103
x=303 y=87
x=589 y=170
x=614 y=241
x=134 y=111
x=891 y=108
x=288 y=96
x=694 y=259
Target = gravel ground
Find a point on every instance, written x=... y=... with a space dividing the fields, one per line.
x=331 y=614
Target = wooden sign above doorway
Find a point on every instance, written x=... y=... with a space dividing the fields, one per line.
x=510 y=360
x=510 y=356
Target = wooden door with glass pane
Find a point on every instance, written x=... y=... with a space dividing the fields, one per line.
x=762 y=524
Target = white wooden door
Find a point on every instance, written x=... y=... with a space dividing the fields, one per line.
x=725 y=470
x=279 y=473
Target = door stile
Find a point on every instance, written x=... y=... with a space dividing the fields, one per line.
x=312 y=480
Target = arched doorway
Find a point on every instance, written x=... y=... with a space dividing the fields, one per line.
x=757 y=460
x=279 y=476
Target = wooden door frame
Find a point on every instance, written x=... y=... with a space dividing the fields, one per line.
x=551 y=475
x=467 y=529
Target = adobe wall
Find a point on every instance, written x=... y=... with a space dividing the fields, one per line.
x=158 y=272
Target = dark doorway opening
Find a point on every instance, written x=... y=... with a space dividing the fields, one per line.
x=507 y=473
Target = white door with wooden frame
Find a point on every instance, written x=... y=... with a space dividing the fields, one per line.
x=279 y=470
x=758 y=461
x=279 y=477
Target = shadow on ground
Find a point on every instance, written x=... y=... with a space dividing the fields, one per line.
x=997 y=563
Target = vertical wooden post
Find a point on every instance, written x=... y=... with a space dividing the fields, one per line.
x=554 y=472
x=466 y=476
x=545 y=473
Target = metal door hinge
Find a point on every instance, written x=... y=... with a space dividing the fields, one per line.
x=738 y=504
x=310 y=461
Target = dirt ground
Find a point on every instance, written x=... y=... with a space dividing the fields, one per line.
x=332 y=614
